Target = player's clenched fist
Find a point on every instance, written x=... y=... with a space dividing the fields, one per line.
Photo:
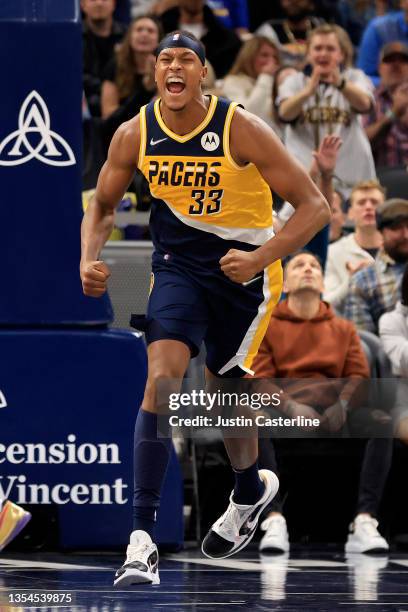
x=94 y=276
x=240 y=266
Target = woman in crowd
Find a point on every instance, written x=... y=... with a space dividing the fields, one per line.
x=250 y=79
x=282 y=73
x=129 y=79
x=328 y=97
x=131 y=73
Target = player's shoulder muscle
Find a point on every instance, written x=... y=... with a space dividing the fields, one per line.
x=124 y=147
x=249 y=137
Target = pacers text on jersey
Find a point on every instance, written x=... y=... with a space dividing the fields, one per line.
x=187 y=174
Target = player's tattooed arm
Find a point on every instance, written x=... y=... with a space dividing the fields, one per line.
x=253 y=141
x=98 y=220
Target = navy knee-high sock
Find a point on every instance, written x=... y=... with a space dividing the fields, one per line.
x=248 y=485
x=151 y=458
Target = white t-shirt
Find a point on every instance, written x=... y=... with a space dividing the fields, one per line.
x=255 y=95
x=329 y=112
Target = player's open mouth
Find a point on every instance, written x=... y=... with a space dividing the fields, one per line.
x=175 y=85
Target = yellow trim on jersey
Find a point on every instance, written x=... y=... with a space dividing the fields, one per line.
x=206 y=191
x=226 y=137
x=143 y=133
x=275 y=280
x=197 y=130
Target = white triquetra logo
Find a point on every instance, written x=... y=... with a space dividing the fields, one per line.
x=34 y=118
x=3 y=401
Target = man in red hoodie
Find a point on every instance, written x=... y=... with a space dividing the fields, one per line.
x=306 y=340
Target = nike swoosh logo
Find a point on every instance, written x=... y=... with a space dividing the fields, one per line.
x=250 y=524
x=155 y=142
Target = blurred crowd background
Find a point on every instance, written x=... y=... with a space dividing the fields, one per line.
x=330 y=77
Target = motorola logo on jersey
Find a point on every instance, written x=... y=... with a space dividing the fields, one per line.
x=210 y=141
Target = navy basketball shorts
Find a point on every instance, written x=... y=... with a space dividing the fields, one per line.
x=195 y=305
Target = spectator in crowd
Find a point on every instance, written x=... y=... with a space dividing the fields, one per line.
x=100 y=35
x=375 y=289
x=338 y=219
x=292 y=31
x=327 y=10
x=329 y=101
x=355 y=15
x=221 y=44
x=132 y=70
x=382 y=30
x=250 y=80
x=394 y=336
x=12 y=520
x=387 y=124
x=233 y=14
x=305 y=340
x=321 y=171
x=261 y=11
x=358 y=249
x=129 y=78
x=281 y=74
x=394 y=331
x=140 y=7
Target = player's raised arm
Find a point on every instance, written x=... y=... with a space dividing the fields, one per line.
x=97 y=223
x=253 y=141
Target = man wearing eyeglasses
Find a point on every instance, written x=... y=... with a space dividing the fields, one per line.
x=387 y=124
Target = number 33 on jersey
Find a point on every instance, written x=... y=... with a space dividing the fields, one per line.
x=196 y=178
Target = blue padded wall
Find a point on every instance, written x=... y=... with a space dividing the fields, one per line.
x=40 y=166
x=87 y=384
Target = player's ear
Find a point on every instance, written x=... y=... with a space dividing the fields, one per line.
x=204 y=72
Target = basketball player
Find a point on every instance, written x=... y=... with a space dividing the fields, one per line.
x=216 y=268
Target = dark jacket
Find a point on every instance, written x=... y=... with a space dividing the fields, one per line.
x=94 y=62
